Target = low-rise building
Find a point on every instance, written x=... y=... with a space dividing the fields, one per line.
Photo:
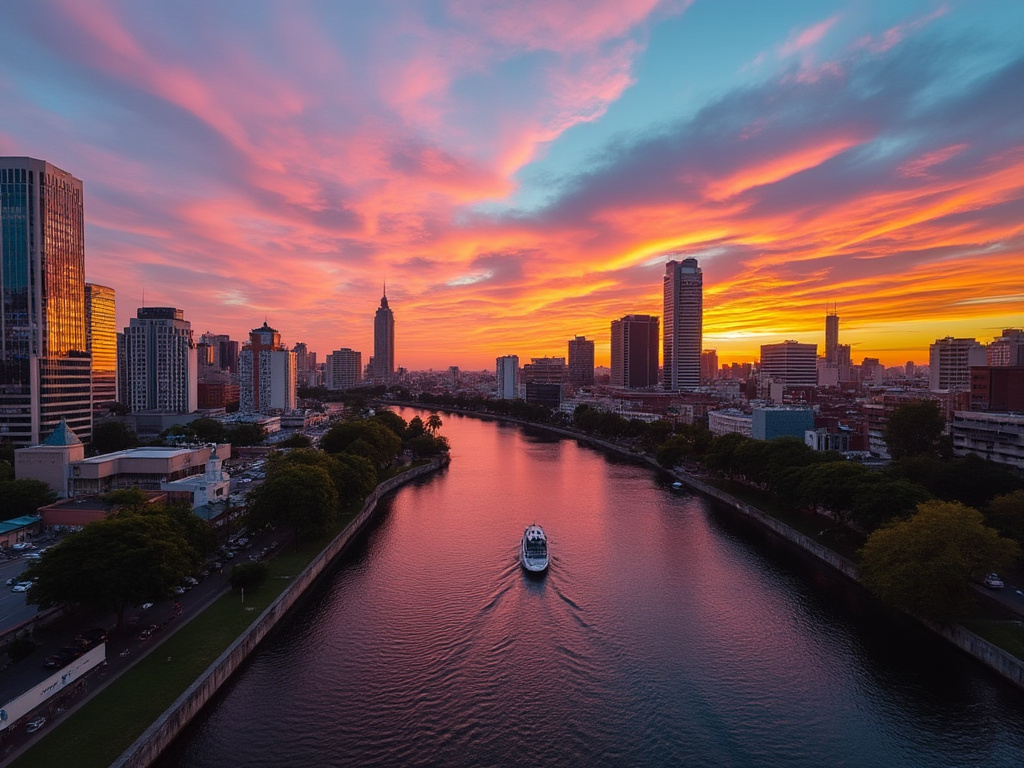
x=998 y=437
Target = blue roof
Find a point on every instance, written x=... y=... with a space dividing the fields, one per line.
x=62 y=435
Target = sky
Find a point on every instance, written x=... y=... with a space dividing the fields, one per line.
x=518 y=173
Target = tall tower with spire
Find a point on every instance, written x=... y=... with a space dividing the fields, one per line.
x=383 y=340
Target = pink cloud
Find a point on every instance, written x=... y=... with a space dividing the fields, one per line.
x=801 y=40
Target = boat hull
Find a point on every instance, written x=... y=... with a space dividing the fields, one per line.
x=533 y=553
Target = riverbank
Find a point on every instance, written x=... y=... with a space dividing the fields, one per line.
x=145 y=703
x=1003 y=663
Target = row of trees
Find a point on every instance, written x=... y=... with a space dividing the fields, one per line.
x=110 y=436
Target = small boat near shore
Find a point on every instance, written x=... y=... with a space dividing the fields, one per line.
x=534 y=550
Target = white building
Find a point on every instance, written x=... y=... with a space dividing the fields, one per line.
x=998 y=437
x=507 y=372
x=724 y=422
x=266 y=373
x=163 y=368
x=344 y=369
x=950 y=361
x=682 y=336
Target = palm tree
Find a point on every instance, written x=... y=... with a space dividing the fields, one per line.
x=433 y=423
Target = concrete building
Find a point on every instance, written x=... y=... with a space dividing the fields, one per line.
x=730 y=421
x=998 y=388
x=950 y=361
x=997 y=437
x=683 y=293
x=163 y=363
x=305 y=366
x=343 y=369
x=635 y=352
x=1007 y=349
x=101 y=342
x=791 y=363
x=708 y=365
x=213 y=486
x=821 y=439
x=266 y=373
x=383 y=361
x=43 y=348
x=581 y=362
x=49 y=461
x=507 y=375
x=545 y=370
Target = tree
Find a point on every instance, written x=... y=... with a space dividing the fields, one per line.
x=6 y=471
x=392 y=421
x=246 y=434
x=248 y=576
x=883 y=499
x=23 y=497
x=364 y=437
x=914 y=428
x=300 y=497
x=434 y=423
x=1005 y=513
x=927 y=564
x=416 y=428
x=111 y=436
x=208 y=430
x=298 y=440
x=113 y=563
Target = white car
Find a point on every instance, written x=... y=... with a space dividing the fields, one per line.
x=992 y=581
x=23 y=545
x=21 y=586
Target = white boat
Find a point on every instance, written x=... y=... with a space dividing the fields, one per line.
x=534 y=552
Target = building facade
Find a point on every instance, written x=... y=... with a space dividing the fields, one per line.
x=383 y=367
x=305 y=366
x=635 y=352
x=1007 y=349
x=708 y=365
x=581 y=362
x=997 y=437
x=266 y=373
x=507 y=375
x=45 y=369
x=950 y=361
x=683 y=288
x=344 y=369
x=791 y=363
x=101 y=342
x=162 y=361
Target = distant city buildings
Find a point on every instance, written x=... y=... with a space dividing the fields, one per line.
x=1007 y=349
x=581 y=361
x=266 y=373
x=635 y=352
x=507 y=376
x=950 y=361
x=382 y=364
x=683 y=288
x=162 y=362
x=343 y=369
x=45 y=368
x=708 y=365
x=790 y=363
x=305 y=366
x=101 y=343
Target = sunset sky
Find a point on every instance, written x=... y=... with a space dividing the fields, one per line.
x=519 y=172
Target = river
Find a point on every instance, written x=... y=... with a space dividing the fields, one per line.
x=663 y=634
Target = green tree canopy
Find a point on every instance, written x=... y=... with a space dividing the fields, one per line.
x=23 y=497
x=248 y=576
x=208 y=430
x=295 y=496
x=245 y=434
x=928 y=563
x=914 y=428
x=392 y=421
x=111 y=436
x=111 y=564
x=298 y=440
x=1005 y=513
x=364 y=437
x=434 y=423
x=6 y=471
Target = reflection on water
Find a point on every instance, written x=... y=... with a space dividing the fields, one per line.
x=663 y=634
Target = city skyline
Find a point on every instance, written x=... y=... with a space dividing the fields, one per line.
x=520 y=175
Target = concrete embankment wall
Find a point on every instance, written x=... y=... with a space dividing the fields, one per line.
x=159 y=735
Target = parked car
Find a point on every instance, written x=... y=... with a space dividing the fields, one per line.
x=992 y=581
x=148 y=632
x=23 y=545
x=91 y=638
x=21 y=586
x=35 y=724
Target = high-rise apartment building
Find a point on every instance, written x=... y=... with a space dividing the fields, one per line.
x=545 y=370
x=344 y=369
x=45 y=369
x=950 y=361
x=507 y=374
x=266 y=373
x=1007 y=349
x=581 y=361
x=709 y=365
x=635 y=352
x=791 y=363
x=832 y=335
x=383 y=367
x=163 y=370
x=101 y=342
x=305 y=366
x=684 y=322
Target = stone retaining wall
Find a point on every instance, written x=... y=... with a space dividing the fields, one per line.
x=162 y=732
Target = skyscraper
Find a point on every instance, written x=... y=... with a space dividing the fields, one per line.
x=101 y=341
x=507 y=374
x=384 y=341
x=684 y=320
x=791 y=363
x=344 y=369
x=832 y=336
x=266 y=373
x=581 y=361
x=635 y=352
x=163 y=369
x=44 y=366
x=950 y=361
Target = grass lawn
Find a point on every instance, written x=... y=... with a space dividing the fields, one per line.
x=104 y=727
x=1006 y=634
